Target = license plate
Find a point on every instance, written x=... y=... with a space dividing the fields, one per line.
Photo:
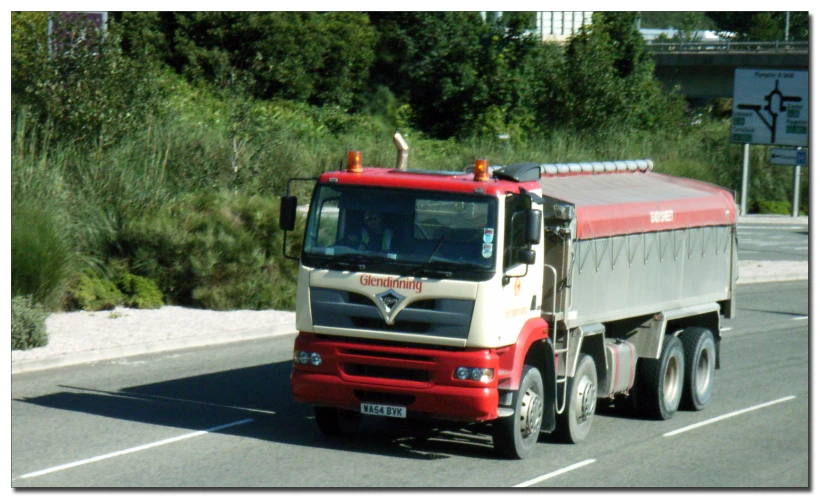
x=390 y=411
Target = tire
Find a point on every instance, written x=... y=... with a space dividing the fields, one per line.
x=337 y=422
x=659 y=384
x=574 y=423
x=699 y=367
x=514 y=437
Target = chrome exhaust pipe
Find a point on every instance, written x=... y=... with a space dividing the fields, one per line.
x=402 y=150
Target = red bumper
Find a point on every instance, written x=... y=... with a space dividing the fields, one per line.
x=417 y=378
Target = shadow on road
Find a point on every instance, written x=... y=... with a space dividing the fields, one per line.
x=263 y=393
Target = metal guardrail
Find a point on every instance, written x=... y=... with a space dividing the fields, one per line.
x=728 y=46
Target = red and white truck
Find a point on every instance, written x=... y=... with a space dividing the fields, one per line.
x=517 y=295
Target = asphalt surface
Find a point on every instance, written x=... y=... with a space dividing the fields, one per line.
x=222 y=416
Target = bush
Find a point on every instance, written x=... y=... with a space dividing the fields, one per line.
x=220 y=251
x=94 y=293
x=40 y=255
x=140 y=292
x=774 y=207
x=28 y=324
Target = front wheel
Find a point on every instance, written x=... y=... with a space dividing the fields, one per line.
x=699 y=367
x=514 y=436
x=574 y=423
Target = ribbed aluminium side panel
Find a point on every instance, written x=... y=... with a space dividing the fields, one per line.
x=627 y=276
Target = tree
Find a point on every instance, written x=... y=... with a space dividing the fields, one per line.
x=761 y=26
x=431 y=60
x=323 y=59
x=609 y=78
x=82 y=83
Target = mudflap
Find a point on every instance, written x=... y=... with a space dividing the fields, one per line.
x=550 y=389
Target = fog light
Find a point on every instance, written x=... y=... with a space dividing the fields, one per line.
x=304 y=357
x=315 y=359
x=462 y=373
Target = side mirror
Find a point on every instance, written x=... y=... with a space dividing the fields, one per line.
x=287 y=213
x=535 y=226
x=526 y=256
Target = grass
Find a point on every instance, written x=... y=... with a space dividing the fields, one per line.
x=190 y=200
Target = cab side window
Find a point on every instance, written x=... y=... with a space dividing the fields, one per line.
x=515 y=228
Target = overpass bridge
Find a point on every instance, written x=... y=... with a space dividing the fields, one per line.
x=706 y=70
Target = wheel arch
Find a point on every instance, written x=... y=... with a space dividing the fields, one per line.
x=593 y=345
x=534 y=347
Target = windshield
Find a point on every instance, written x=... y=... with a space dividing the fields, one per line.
x=402 y=232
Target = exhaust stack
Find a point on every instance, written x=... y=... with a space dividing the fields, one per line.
x=402 y=150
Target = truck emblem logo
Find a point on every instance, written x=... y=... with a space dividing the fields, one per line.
x=390 y=299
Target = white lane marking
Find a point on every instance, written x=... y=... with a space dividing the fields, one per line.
x=725 y=329
x=555 y=473
x=726 y=416
x=805 y=317
x=148 y=397
x=134 y=449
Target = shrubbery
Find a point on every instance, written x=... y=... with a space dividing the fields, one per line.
x=140 y=292
x=94 y=293
x=215 y=250
x=28 y=324
x=161 y=157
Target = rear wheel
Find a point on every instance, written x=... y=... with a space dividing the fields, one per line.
x=514 y=436
x=574 y=423
x=337 y=422
x=699 y=367
x=659 y=384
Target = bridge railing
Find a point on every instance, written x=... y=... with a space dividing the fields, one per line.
x=728 y=46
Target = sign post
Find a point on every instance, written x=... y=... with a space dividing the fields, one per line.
x=769 y=107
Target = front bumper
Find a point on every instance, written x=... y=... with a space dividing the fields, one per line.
x=420 y=379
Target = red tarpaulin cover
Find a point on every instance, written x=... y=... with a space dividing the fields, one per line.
x=629 y=203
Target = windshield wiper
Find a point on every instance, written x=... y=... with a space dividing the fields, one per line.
x=428 y=267
x=350 y=261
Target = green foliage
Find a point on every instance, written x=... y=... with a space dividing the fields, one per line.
x=772 y=207
x=40 y=255
x=608 y=80
x=761 y=26
x=214 y=250
x=93 y=293
x=28 y=324
x=183 y=191
x=323 y=59
x=140 y=292
x=431 y=59
x=82 y=83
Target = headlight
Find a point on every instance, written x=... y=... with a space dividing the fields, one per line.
x=481 y=374
x=302 y=357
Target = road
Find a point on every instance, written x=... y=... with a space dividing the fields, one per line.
x=773 y=242
x=223 y=416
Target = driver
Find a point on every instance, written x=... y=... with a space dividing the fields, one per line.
x=374 y=235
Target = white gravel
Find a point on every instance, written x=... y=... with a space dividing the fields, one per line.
x=76 y=332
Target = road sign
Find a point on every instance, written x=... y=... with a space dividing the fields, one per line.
x=790 y=157
x=771 y=107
